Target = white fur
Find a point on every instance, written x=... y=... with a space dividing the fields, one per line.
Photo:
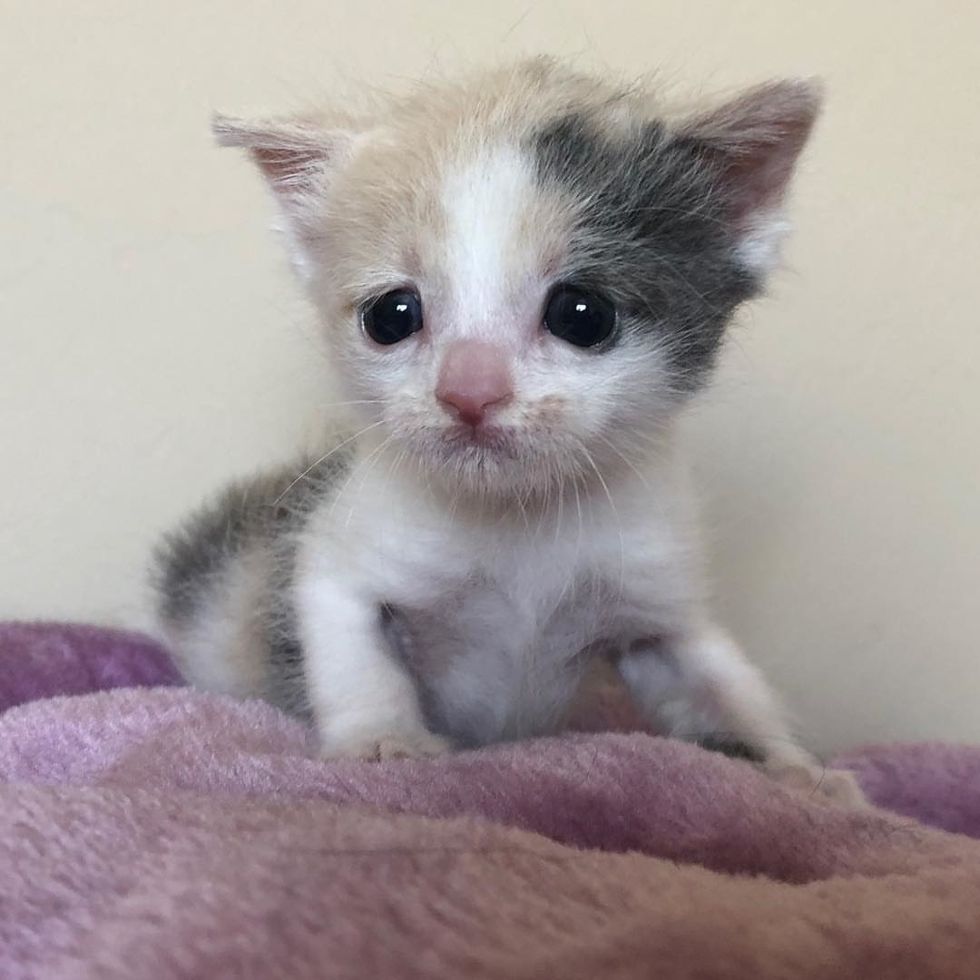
x=485 y=256
x=501 y=608
x=761 y=242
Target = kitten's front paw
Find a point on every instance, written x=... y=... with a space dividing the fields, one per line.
x=830 y=785
x=381 y=748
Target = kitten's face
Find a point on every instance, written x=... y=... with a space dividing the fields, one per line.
x=497 y=338
x=522 y=285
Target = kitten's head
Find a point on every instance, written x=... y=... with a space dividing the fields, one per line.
x=523 y=276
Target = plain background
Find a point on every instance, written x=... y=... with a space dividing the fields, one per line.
x=153 y=343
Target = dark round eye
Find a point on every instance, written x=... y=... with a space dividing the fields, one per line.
x=580 y=316
x=392 y=317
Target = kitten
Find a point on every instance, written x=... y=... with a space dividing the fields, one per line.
x=522 y=277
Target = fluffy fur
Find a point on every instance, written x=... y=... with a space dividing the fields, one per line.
x=426 y=583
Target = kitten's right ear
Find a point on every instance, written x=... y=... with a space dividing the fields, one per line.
x=296 y=157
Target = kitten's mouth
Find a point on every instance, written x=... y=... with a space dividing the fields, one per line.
x=480 y=441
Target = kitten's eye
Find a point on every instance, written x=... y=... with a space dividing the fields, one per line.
x=580 y=316
x=392 y=317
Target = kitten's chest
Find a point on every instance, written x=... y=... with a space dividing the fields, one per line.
x=495 y=618
x=501 y=652
x=526 y=604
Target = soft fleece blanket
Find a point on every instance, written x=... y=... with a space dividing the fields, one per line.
x=159 y=832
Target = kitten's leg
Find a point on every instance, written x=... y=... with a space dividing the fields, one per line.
x=699 y=686
x=364 y=702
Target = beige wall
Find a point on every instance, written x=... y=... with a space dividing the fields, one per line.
x=152 y=343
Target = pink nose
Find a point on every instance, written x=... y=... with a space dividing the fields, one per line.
x=474 y=377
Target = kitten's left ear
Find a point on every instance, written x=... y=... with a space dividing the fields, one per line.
x=297 y=158
x=755 y=141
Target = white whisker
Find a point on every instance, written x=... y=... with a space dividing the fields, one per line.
x=322 y=459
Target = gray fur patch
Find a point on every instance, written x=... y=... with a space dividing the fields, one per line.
x=654 y=233
x=266 y=512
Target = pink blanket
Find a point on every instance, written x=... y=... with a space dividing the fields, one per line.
x=166 y=833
